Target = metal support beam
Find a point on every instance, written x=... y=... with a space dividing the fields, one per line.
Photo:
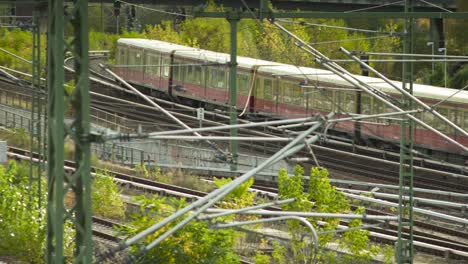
x=233 y=20
x=79 y=183
x=405 y=251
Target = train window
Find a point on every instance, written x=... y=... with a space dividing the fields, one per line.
x=465 y=117
x=221 y=81
x=346 y=101
x=176 y=71
x=165 y=66
x=155 y=65
x=243 y=84
x=455 y=117
x=268 y=89
x=121 y=60
x=366 y=101
x=131 y=57
x=438 y=123
x=190 y=74
x=198 y=76
x=324 y=100
x=217 y=78
x=258 y=88
x=428 y=118
x=378 y=107
x=297 y=95
x=148 y=63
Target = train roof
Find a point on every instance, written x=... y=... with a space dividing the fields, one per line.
x=281 y=69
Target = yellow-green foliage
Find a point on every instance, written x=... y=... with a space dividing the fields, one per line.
x=194 y=243
x=22 y=224
x=240 y=196
x=106 y=197
x=20 y=43
x=322 y=197
x=16 y=137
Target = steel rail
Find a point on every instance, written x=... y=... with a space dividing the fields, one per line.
x=208 y=200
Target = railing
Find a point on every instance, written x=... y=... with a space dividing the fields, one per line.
x=163 y=153
x=16 y=115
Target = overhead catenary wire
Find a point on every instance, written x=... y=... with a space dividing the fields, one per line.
x=154 y=9
x=406 y=93
x=434 y=5
x=353 y=80
x=373 y=7
x=448 y=97
x=348 y=40
x=406 y=60
x=415 y=55
x=160 y=108
x=339 y=27
x=208 y=200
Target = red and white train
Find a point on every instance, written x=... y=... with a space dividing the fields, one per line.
x=284 y=90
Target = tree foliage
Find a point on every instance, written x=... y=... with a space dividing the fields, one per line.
x=321 y=196
x=194 y=243
x=19 y=225
x=105 y=196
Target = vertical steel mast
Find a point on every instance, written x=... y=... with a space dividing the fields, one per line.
x=78 y=184
x=35 y=125
x=405 y=250
x=233 y=19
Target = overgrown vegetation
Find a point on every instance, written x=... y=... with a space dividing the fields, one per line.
x=175 y=177
x=106 y=197
x=19 y=223
x=195 y=243
x=23 y=224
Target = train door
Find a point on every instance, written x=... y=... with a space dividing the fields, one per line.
x=244 y=95
x=122 y=61
x=165 y=68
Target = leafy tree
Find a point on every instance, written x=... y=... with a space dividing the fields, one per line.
x=19 y=224
x=194 y=243
x=321 y=197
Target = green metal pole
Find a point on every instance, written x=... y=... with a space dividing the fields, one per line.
x=405 y=250
x=55 y=134
x=81 y=180
x=79 y=183
x=233 y=20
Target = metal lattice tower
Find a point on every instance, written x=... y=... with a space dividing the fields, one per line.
x=405 y=250
x=36 y=111
x=60 y=183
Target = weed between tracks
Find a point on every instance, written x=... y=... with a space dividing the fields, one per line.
x=175 y=177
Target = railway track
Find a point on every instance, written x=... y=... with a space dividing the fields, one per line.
x=359 y=168
x=424 y=241
x=344 y=157
x=332 y=157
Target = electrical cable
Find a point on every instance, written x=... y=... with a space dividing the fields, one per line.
x=434 y=5
x=373 y=7
x=155 y=10
x=339 y=27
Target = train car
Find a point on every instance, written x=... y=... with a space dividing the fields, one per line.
x=284 y=90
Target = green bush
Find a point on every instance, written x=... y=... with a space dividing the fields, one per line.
x=106 y=197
